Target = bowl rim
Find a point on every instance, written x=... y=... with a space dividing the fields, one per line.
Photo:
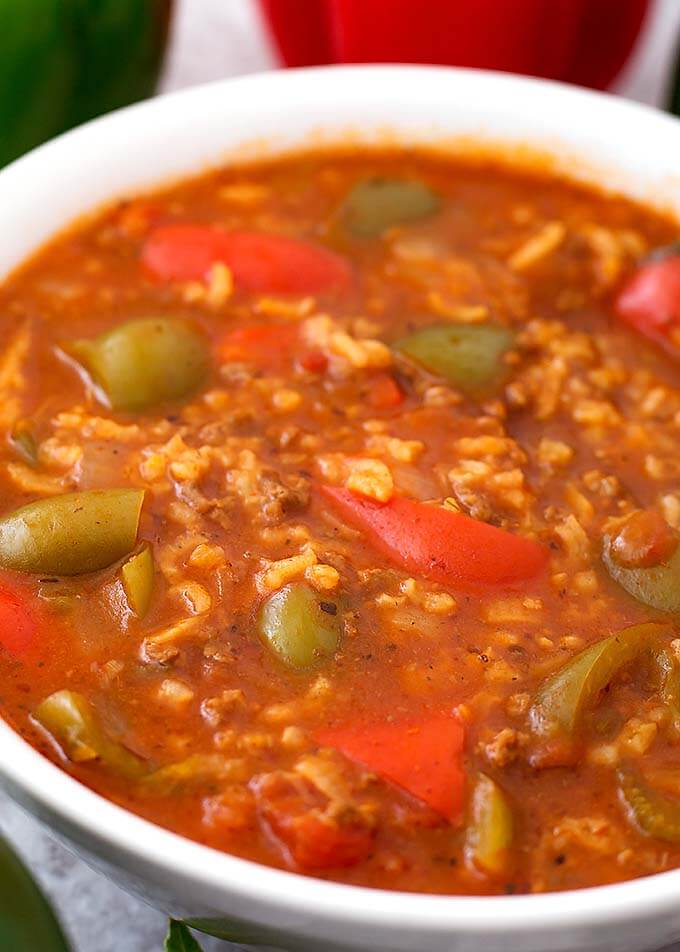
x=30 y=776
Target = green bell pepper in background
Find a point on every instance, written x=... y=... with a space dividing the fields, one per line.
x=27 y=924
x=65 y=61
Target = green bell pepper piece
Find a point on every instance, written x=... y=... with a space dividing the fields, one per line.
x=469 y=356
x=658 y=586
x=198 y=770
x=299 y=626
x=71 y=722
x=652 y=812
x=119 y=46
x=376 y=204
x=564 y=696
x=71 y=534
x=137 y=575
x=144 y=363
x=65 y=61
x=26 y=919
x=669 y=684
x=490 y=829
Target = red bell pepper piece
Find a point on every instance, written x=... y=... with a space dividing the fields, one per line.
x=423 y=757
x=18 y=625
x=258 y=262
x=579 y=41
x=650 y=301
x=448 y=547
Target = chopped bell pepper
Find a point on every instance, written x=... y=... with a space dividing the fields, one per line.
x=657 y=586
x=299 y=626
x=423 y=757
x=469 y=356
x=258 y=261
x=490 y=828
x=652 y=812
x=376 y=204
x=71 y=722
x=195 y=772
x=649 y=301
x=143 y=363
x=71 y=534
x=669 y=684
x=562 y=699
x=137 y=575
x=448 y=547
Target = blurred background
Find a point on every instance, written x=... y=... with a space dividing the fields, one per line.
x=64 y=61
x=216 y=38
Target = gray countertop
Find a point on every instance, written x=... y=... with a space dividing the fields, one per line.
x=96 y=915
x=212 y=39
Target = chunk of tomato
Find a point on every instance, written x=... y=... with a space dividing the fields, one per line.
x=649 y=301
x=314 y=837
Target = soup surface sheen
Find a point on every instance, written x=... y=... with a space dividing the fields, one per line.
x=353 y=509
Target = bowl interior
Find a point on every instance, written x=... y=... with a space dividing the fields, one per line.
x=462 y=112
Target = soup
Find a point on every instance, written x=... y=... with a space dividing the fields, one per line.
x=340 y=519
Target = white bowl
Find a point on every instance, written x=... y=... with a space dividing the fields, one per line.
x=590 y=136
